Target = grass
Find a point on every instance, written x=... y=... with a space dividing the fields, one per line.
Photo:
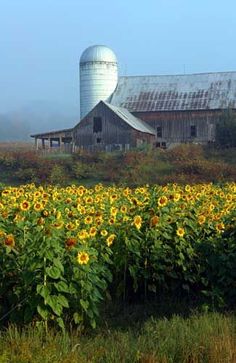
x=204 y=338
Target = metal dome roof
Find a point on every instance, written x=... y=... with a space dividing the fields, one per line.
x=98 y=53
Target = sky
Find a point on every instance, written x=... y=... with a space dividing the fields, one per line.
x=41 y=42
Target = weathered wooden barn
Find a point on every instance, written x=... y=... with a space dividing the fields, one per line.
x=125 y=112
x=109 y=128
x=180 y=108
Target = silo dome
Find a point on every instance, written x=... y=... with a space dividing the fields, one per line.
x=98 y=53
x=98 y=76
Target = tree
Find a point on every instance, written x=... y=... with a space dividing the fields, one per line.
x=226 y=129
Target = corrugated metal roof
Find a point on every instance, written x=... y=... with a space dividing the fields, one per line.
x=205 y=91
x=131 y=120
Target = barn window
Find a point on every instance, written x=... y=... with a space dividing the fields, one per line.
x=97 y=124
x=163 y=145
x=159 y=131
x=193 y=131
x=99 y=140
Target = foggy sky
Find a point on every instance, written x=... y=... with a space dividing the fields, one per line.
x=41 y=42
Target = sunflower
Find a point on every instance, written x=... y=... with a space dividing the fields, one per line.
x=113 y=197
x=2 y=233
x=113 y=211
x=162 y=201
x=137 y=222
x=45 y=213
x=70 y=242
x=88 y=220
x=83 y=258
x=201 y=219
x=40 y=221
x=83 y=234
x=187 y=188
x=180 y=232
x=93 y=231
x=176 y=197
x=112 y=220
x=71 y=226
x=154 y=221
x=38 y=206
x=110 y=239
x=58 y=224
x=104 y=232
x=220 y=227
x=123 y=209
x=25 y=205
x=89 y=200
x=9 y=240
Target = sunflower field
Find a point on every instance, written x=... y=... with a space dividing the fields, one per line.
x=64 y=251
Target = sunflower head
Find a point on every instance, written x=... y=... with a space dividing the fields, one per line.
x=70 y=242
x=9 y=240
x=110 y=239
x=180 y=232
x=83 y=258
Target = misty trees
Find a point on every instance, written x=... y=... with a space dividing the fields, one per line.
x=226 y=129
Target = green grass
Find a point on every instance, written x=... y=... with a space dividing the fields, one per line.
x=205 y=338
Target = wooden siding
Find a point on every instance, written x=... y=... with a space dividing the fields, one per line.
x=176 y=126
x=116 y=133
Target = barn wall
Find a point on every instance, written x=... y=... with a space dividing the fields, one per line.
x=140 y=138
x=116 y=134
x=176 y=126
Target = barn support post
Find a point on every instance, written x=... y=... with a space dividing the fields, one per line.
x=43 y=143
x=60 y=144
x=36 y=143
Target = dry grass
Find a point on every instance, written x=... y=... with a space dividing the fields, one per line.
x=16 y=146
x=207 y=338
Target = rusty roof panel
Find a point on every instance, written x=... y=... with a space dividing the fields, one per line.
x=176 y=92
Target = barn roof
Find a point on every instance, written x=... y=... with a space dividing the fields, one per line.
x=50 y=133
x=130 y=119
x=205 y=91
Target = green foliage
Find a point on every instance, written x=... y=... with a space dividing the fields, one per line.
x=42 y=278
x=226 y=129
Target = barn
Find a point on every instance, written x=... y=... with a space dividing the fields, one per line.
x=126 y=112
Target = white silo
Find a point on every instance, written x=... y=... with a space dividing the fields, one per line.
x=98 y=76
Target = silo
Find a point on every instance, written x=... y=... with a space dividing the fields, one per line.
x=98 y=76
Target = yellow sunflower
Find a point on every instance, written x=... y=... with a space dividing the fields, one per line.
x=93 y=231
x=38 y=206
x=162 y=201
x=220 y=227
x=201 y=219
x=104 y=232
x=9 y=240
x=180 y=232
x=110 y=239
x=25 y=205
x=83 y=258
x=138 y=222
